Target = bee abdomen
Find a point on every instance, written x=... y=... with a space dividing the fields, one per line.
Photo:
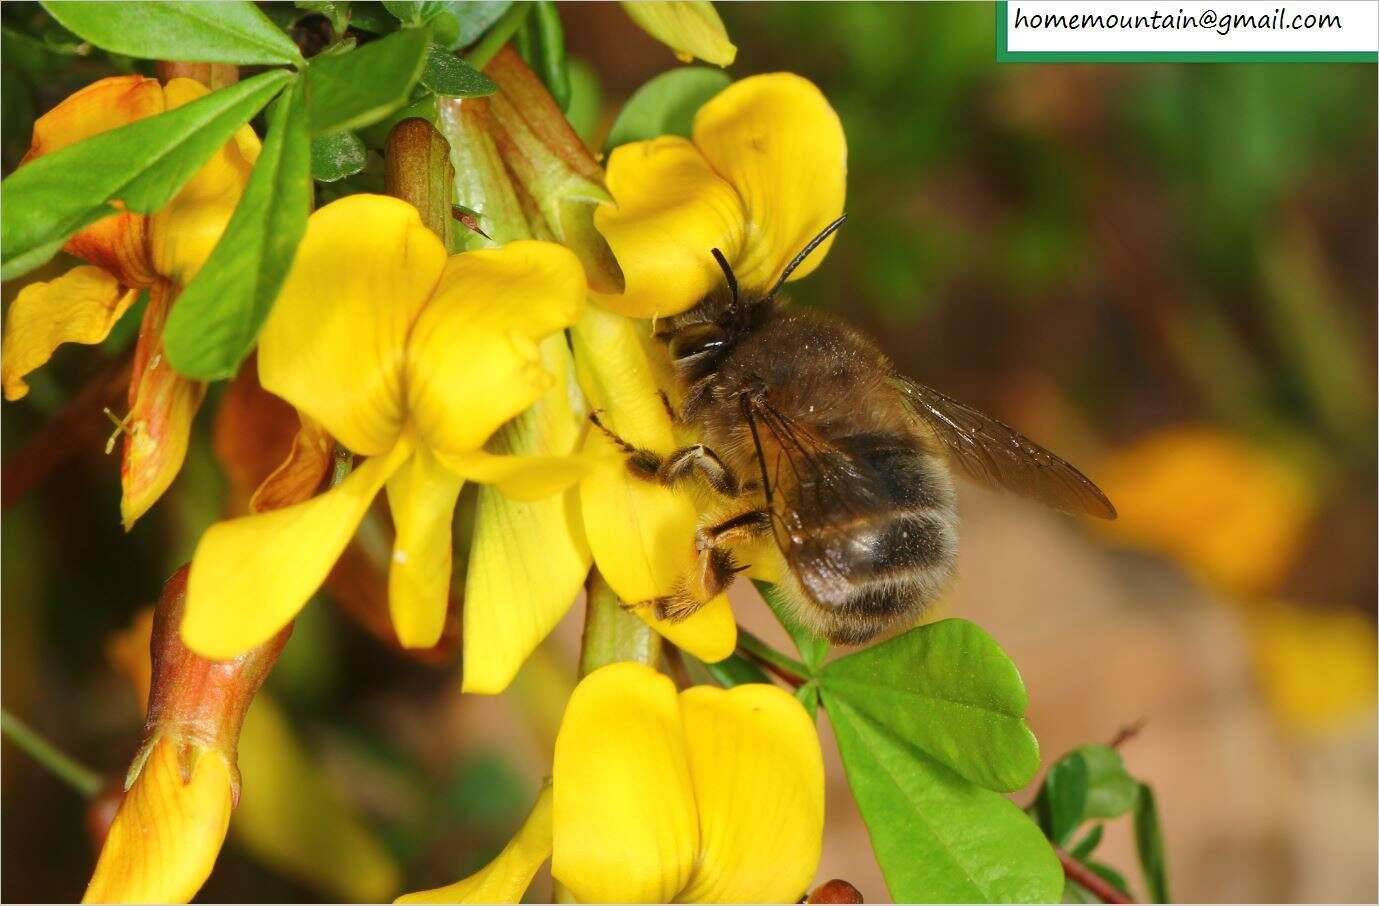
x=886 y=571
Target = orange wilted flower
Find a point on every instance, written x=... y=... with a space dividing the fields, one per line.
x=130 y=254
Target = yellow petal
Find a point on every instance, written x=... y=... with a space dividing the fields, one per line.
x=691 y=28
x=292 y=818
x=182 y=234
x=421 y=496
x=528 y=559
x=779 y=143
x=759 y=784
x=167 y=832
x=507 y=877
x=520 y=477
x=158 y=426
x=526 y=566
x=250 y=576
x=625 y=826
x=79 y=307
x=641 y=534
x=473 y=360
x=117 y=242
x=334 y=343
x=671 y=210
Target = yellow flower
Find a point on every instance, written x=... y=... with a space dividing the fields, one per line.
x=129 y=252
x=1230 y=512
x=765 y=172
x=168 y=830
x=708 y=796
x=412 y=360
x=691 y=28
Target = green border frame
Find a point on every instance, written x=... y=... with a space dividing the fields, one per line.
x=1004 y=55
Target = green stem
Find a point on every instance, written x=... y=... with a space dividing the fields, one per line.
x=494 y=39
x=787 y=668
x=67 y=769
x=612 y=633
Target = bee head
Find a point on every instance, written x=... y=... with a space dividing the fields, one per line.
x=703 y=334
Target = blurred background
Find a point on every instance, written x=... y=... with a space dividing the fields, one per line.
x=1166 y=273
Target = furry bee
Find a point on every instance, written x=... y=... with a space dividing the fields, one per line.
x=807 y=433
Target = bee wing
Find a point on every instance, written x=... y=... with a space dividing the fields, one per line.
x=992 y=453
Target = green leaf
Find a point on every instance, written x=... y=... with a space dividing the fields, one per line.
x=548 y=51
x=946 y=691
x=1088 y=844
x=448 y=75
x=414 y=12
x=223 y=31
x=1149 y=843
x=352 y=90
x=666 y=105
x=143 y=164
x=475 y=17
x=1110 y=876
x=1062 y=802
x=808 y=695
x=938 y=837
x=1111 y=791
x=337 y=11
x=586 y=101
x=335 y=156
x=813 y=648
x=372 y=18
x=734 y=670
x=216 y=319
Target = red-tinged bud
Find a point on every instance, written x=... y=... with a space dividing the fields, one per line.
x=552 y=169
x=835 y=891
x=196 y=704
x=420 y=173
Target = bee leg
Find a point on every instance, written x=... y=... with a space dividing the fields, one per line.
x=672 y=469
x=684 y=462
x=716 y=566
x=642 y=463
x=670 y=409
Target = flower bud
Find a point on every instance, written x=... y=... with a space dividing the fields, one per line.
x=183 y=782
x=835 y=891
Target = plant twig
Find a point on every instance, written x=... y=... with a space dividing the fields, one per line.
x=1127 y=733
x=1083 y=876
x=66 y=768
x=762 y=654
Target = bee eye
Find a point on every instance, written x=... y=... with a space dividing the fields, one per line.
x=696 y=340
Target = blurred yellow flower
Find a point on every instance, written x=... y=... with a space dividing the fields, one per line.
x=409 y=359
x=691 y=28
x=129 y=252
x=1317 y=667
x=1229 y=511
x=709 y=796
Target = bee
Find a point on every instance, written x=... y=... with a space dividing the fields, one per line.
x=807 y=433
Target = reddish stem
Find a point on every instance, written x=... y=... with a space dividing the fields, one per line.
x=1094 y=883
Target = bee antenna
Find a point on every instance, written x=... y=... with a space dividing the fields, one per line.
x=804 y=252
x=727 y=272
